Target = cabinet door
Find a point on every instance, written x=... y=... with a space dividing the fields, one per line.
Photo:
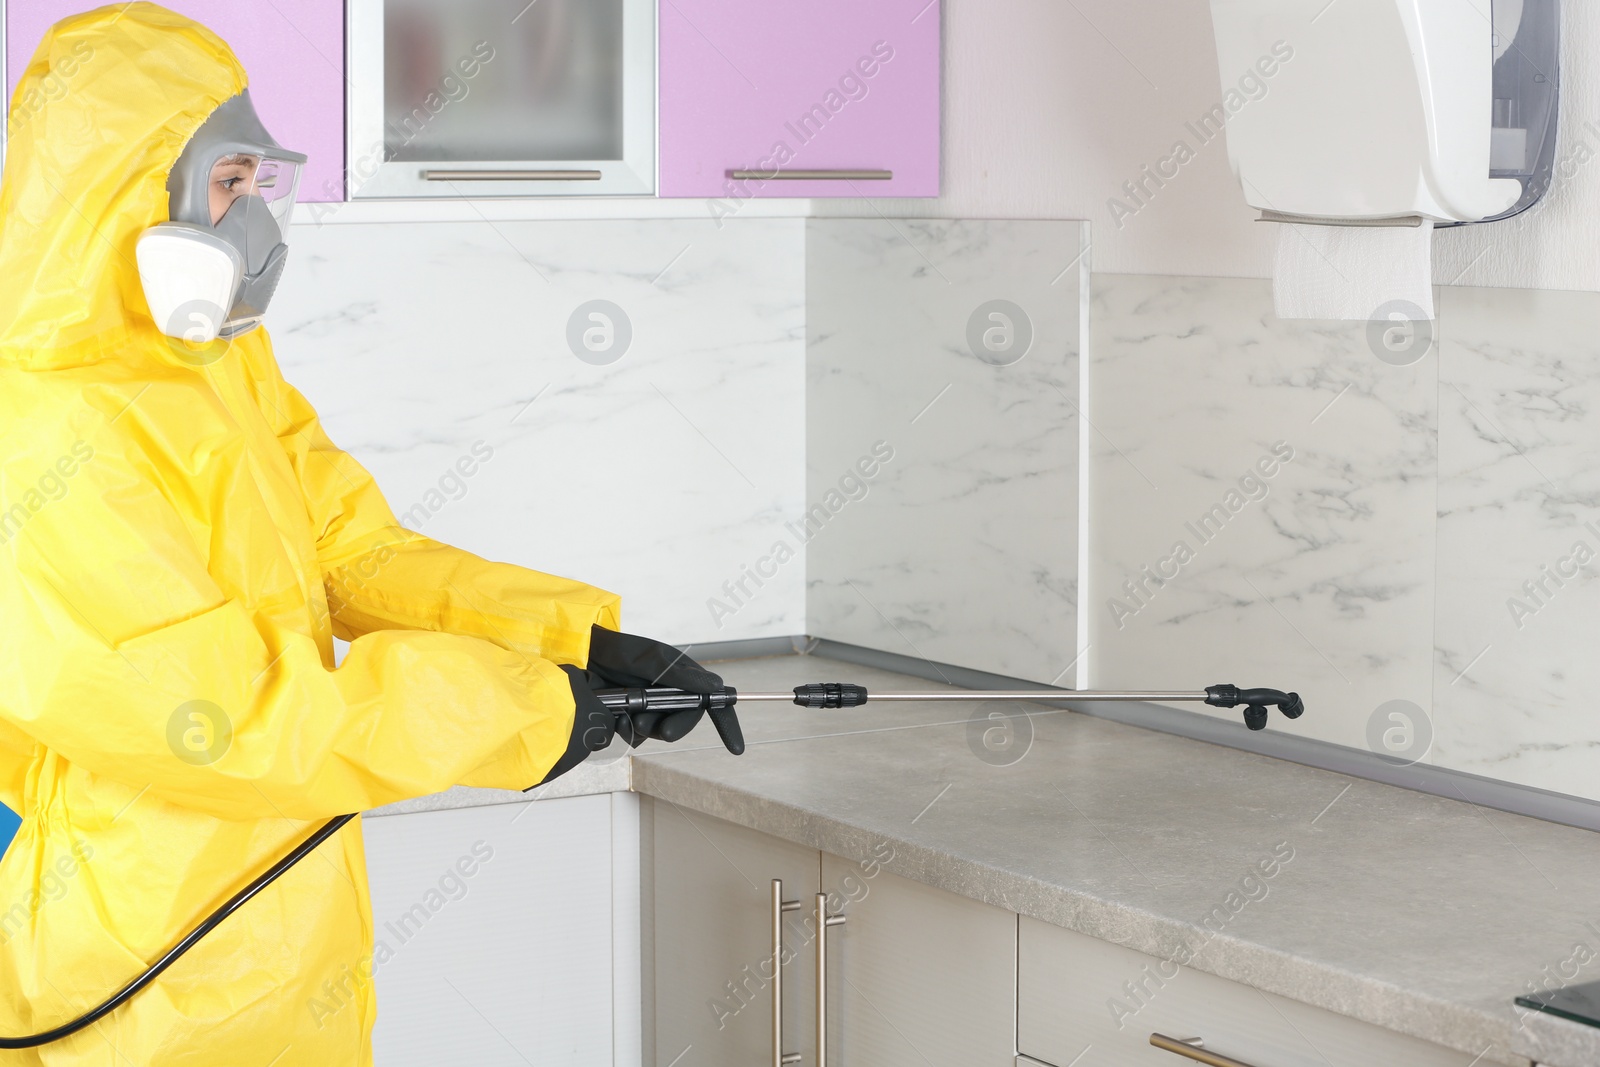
x=791 y=86
x=712 y=888
x=494 y=934
x=1091 y=1003
x=293 y=51
x=485 y=98
x=917 y=977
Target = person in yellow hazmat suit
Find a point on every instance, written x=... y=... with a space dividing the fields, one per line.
x=180 y=543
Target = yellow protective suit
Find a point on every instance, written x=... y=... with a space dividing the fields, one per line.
x=174 y=530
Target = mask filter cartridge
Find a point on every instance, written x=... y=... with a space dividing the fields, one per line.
x=190 y=277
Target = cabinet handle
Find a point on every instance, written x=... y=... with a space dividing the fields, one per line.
x=511 y=175
x=1190 y=1048
x=778 y=174
x=779 y=906
x=824 y=920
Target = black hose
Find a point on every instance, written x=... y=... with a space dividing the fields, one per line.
x=720 y=708
x=212 y=921
x=718 y=705
x=656 y=698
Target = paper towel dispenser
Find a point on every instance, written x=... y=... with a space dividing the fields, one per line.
x=1388 y=110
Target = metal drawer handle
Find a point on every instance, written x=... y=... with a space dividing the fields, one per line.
x=511 y=175
x=778 y=174
x=1190 y=1048
x=824 y=920
x=779 y=906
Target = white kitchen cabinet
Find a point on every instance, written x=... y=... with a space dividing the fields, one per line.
x=507 y=934
x=480 y=98
x=712 y=889
x=917 y=977
x=1090 y=1003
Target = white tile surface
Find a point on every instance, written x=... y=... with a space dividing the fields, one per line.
x=656 y=476
x=964 y=548
x=1324 y=585
x=1519 y=492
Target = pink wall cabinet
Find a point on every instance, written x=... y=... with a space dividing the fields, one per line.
x=757 y=96
x=293 y=51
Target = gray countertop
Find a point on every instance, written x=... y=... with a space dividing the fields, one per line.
x=1415 y=913
x=1412 y=912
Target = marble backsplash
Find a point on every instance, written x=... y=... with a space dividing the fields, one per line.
x=943 y=357
x=1402 y=528
x=655 y=446
x=1407 y=541
x=677 y=473
x=1515 y=667
x=1261 y=502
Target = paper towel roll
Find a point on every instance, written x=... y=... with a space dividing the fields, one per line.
x=1351 y=272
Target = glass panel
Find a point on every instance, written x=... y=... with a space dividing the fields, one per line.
x=276 y=181
x=502 y=80
x=1580 y=1003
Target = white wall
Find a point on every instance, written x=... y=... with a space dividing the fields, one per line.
x=1049 y=106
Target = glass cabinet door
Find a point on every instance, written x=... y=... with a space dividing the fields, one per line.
x=501 y=97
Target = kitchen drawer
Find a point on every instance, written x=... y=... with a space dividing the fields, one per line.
x=1090 y=1003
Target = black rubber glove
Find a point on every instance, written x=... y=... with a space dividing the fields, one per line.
x=593 y=724
x=625 y=661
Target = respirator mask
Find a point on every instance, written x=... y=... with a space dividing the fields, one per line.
x=211 y=271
